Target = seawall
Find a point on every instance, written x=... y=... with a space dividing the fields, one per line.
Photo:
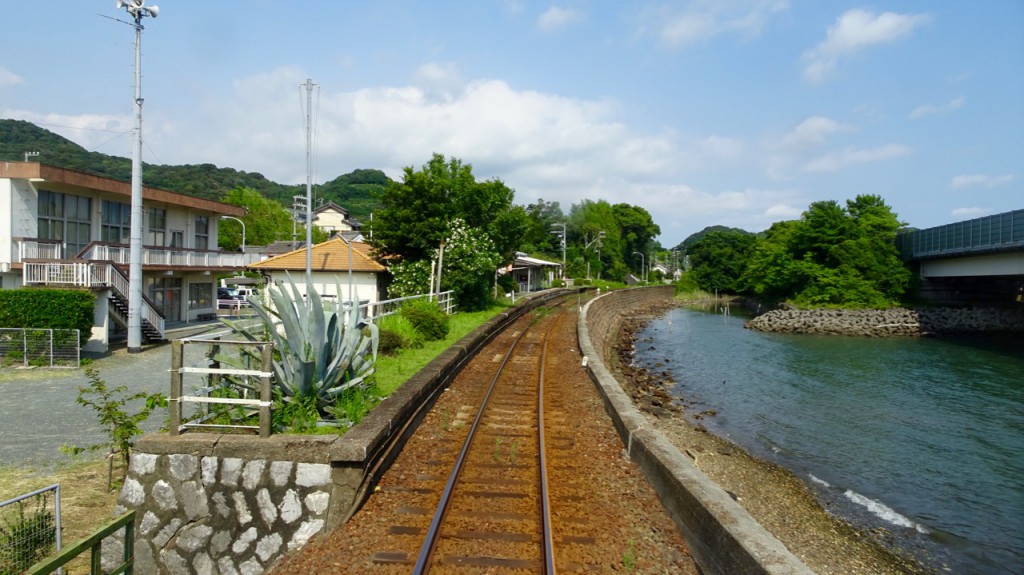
x=723 y=538
x=893 y=322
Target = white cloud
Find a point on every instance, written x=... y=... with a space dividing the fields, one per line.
x=969 y=213
x=679 y=26
x=439 y=82
x=813 y=131
x=979 y=181
x=556 y=18
x=849 y=157
x=107 y=134
x=854 y=31
x=8 y=78
x=928 y=110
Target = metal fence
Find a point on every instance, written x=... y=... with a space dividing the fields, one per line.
x=39 y=347
x=29 y=529
x=991 y=233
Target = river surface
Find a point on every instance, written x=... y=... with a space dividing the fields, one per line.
x=922 y=437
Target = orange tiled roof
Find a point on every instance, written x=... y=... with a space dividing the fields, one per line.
x=330 y=256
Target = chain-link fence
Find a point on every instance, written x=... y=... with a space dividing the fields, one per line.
x=29 y=529
x=39 y=347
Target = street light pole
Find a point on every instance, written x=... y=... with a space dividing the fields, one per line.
x=642 y=266
x=239 y=220
x=561 y=233
x=137 y=11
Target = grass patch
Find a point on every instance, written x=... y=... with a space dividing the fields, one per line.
x=85 y=502
x=393 y=370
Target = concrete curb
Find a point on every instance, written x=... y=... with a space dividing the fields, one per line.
x=723 y=538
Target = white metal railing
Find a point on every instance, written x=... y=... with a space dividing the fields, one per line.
x=391 y=306
x=89 y=275
x=41 y=529
x=32 y=248
x=166 y=256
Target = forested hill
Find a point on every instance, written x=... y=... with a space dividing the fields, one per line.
x=353 y=191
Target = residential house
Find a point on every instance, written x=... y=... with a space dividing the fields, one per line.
x=334 y=219
x=334 y=264
x=63 y=228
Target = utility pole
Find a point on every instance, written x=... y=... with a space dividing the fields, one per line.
x=137 y=11
x=309 y=186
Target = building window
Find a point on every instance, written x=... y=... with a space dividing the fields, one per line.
x=200 y=296
x=116 y=224
x=157 y=226
x=202 y=232
x=65 y=217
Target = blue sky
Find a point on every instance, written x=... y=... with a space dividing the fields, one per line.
x=730 y=112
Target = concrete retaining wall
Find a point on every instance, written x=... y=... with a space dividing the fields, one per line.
x=723 y=538
x=233 y=504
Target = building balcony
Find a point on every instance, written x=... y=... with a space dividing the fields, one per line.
x=153 y=257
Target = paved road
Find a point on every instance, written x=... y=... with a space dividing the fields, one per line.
x=38 y=413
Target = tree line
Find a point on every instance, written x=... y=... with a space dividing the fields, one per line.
x=833 y=256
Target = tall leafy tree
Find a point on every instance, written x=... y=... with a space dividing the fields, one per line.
x=719 y=260
x=443 y=200
x=266 y=221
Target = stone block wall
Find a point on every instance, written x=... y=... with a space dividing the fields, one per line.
x=892 y=322
x=218 y=514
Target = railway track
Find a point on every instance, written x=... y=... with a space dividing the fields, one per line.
x=485 y=507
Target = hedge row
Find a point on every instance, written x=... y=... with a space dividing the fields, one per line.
x=48 y=309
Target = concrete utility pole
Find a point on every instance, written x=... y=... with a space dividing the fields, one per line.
x=137 y=11
x=309 y=186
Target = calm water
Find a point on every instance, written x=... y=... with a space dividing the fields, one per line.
x=924 y=437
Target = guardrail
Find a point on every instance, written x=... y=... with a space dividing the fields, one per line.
x=94 y=544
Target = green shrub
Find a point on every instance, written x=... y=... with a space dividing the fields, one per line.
x=507 y=283
x=397 y=332
x=48 y=309
x=427 y=317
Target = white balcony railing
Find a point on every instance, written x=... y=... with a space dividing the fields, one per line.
x=36 y=249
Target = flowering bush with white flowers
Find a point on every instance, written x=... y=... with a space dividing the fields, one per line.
x=470 y=259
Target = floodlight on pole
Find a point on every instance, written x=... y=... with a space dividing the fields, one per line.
x=137 y=10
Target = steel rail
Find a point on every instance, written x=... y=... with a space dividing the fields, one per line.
x=547 y=543
x=433 y=533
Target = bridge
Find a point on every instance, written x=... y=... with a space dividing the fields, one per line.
x=974 y=261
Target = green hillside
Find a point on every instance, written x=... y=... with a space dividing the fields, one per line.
x=353 y=191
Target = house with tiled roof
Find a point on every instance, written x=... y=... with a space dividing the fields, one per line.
x=334 y=264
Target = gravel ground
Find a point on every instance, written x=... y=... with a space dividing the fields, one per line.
x=38 y=413
x=612 y=504
x=776 y=498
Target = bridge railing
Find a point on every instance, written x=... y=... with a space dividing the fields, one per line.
x=988 y=234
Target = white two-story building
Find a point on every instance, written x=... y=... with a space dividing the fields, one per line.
x=62 y=228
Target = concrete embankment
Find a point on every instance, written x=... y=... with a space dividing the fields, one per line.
x=723 y=537
x=892 y=322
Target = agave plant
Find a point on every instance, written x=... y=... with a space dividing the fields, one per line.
x=322 y=351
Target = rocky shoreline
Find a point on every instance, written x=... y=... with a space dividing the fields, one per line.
x=776 y=498
x=893 y=322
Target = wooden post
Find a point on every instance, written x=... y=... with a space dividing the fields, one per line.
x=174 y=403
x=267 y=356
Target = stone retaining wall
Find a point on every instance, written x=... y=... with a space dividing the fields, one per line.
x=229 y=504
x=723 y=538
x=892 y=322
